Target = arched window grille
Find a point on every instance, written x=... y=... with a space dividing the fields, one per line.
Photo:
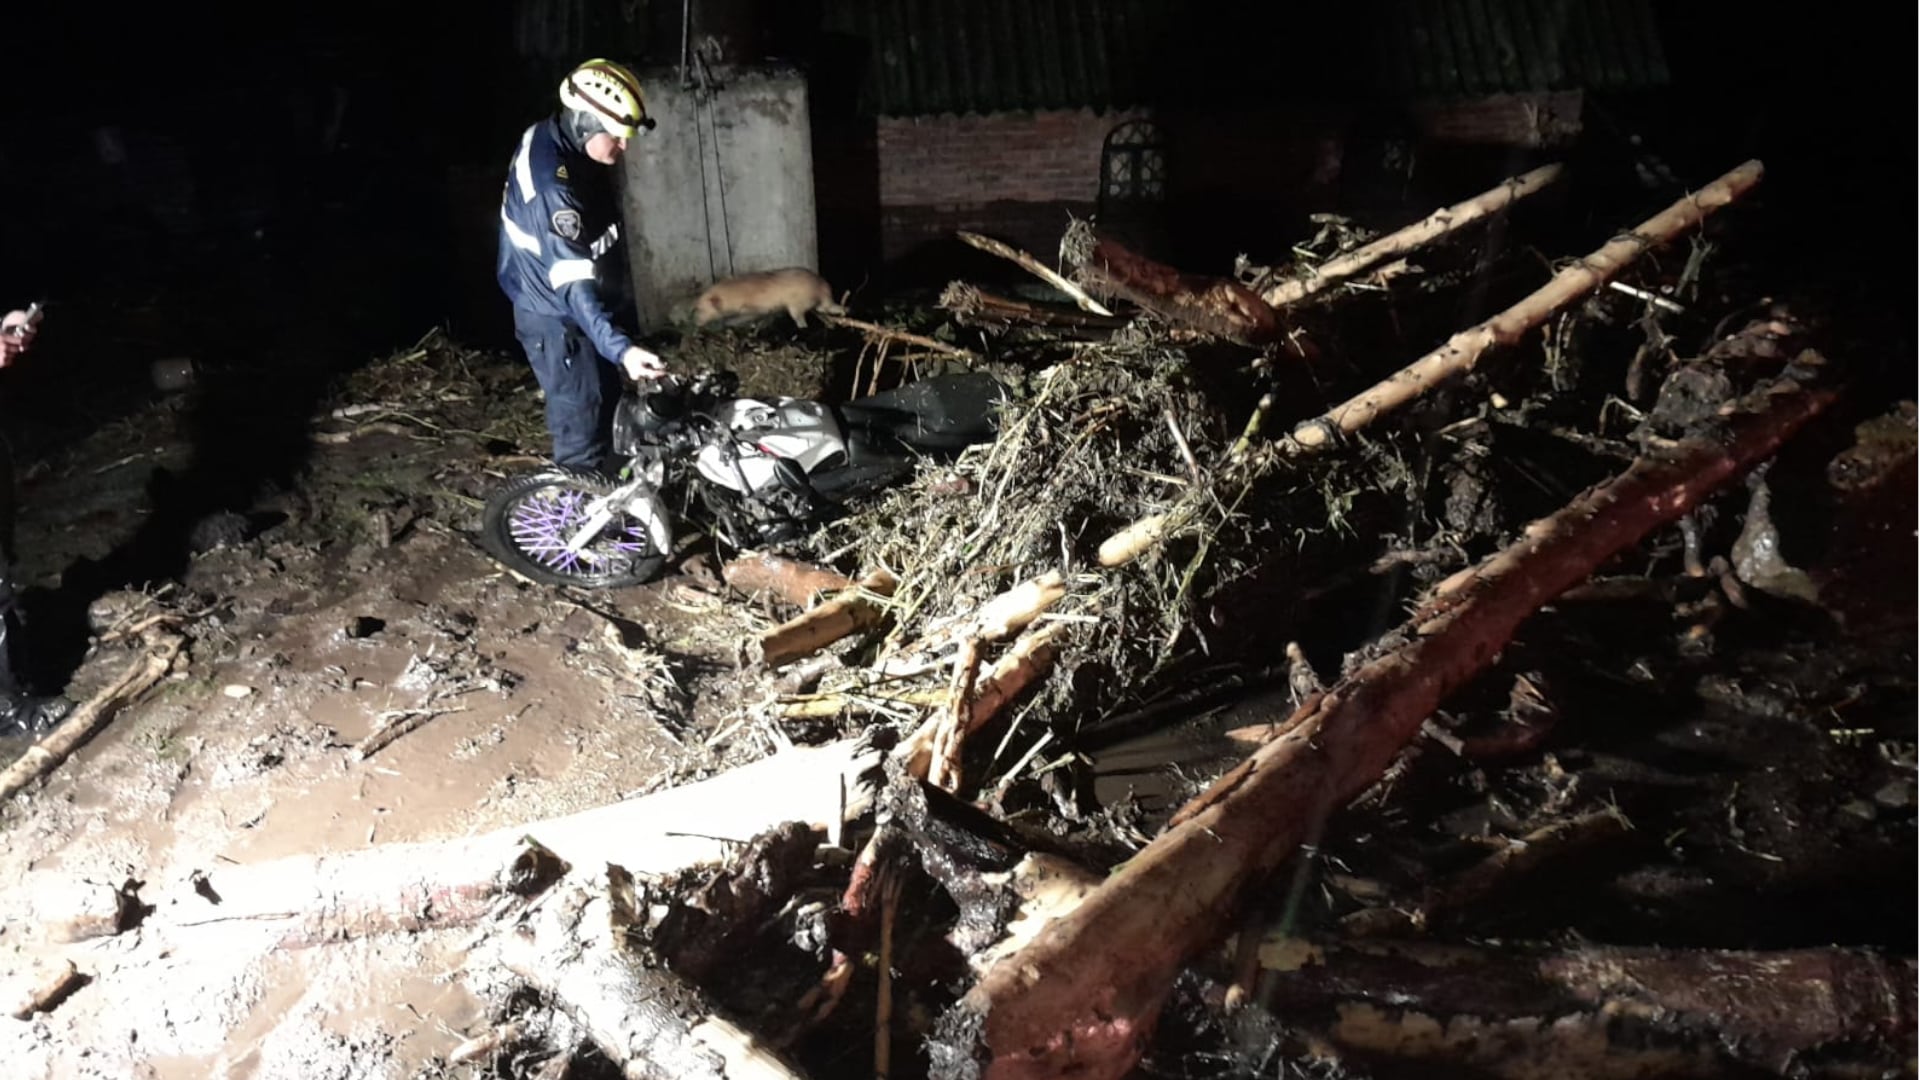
x=1133 y=164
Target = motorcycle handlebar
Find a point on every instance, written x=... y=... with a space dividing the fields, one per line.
x=677 y=403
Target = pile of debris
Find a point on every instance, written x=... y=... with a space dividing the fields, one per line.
x=930 y=887
x=1132 y=537
x=1103 y=552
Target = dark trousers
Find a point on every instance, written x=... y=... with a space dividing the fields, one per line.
x=10 y=683
x=581 y=388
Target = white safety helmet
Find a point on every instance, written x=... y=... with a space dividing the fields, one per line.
x=609 y=94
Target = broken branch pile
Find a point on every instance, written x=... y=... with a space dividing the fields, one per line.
x=1080 y=563
x=999 y=556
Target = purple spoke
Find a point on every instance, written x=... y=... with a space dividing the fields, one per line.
x=539 y=527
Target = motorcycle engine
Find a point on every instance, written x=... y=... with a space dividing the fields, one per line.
x=773 y=514
x=781 y=508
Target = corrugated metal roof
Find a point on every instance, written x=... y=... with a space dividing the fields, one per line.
x=934 y=56
x=1443 y=48
x=926 y=57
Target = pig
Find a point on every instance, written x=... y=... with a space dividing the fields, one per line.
x=795 y=290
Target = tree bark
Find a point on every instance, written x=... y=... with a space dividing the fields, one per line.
x=90 y=716
x=1464 y=349
x=798 y=583
x=1083 y=997
x=852 y=611
x=647 y=1020
x=1218 y=306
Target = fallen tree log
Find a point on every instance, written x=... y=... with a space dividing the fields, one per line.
x=876 y=332
x=40 y=988
x=308 y=899
x=1140 y=537
x=852 y=611
x=90 y=716
x=646 y=1019
x=978 y=307
x=798 y=583
x=1597 y=1011
x=1419 y=234
x=996 y=620
x=1084 y=996
x=1021 y=667
x=1524 y=1012
x=1219 y=306
x=1464 y=349
x=1036 y=268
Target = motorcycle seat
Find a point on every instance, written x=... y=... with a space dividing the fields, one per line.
x=946 y=412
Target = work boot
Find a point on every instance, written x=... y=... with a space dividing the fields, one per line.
x=29 y=714
x=21 y=712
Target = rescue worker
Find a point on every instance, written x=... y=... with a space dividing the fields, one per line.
x=562 y=263
x=20 y=712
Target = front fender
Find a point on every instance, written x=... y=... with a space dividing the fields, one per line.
x=652 y=512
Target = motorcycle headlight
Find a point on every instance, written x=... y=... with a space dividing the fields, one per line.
x=628 y=425
x=646 y=419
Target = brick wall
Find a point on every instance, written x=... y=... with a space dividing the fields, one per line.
x=1238 y=180
x=1525 y=120
x=1019 y=176
x=1049 y=156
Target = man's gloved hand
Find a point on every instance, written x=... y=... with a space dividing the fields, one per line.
x=641 y=364
x=16 y=335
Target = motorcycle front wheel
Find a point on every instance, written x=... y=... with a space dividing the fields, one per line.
x=527 y=524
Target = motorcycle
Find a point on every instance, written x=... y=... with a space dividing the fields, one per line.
x=755 y=472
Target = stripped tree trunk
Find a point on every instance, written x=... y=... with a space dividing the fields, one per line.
x=90 y=716
x=981 y=308
x=849 y=612
x=651 y=1023
x=1464 y=349
x=1420 y=233
x=309 y=899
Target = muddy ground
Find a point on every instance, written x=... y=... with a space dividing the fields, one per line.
x=319 y=611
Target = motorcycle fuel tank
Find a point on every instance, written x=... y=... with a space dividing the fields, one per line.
x=804 y=432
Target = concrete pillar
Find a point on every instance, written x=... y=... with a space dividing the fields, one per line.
x=722 y=186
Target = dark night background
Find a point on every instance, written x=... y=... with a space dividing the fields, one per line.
x=290 y=259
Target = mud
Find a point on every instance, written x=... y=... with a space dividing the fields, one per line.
x=319 y=611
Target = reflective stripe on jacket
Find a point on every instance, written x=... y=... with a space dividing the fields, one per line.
x=560 y=250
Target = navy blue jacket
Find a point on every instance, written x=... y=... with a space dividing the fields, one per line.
x=560 y=249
